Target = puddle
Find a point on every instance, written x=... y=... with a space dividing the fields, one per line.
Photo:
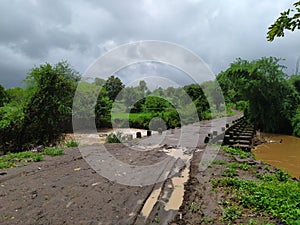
x=177 y=188
x=149 y=204
x=176 y=198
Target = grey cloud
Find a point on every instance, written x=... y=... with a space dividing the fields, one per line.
x=80 y=31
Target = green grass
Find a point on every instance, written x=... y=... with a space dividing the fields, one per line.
x=243 y=166
x=194 y=208
x=276 y=194
x=12 y=159
x=237 y=152
x=71 y=143
x=230 y=172
x=7 y=164
x=219 y=162
x=279 y=198
x=52 y=151
x=130 y=115
x=231 y=213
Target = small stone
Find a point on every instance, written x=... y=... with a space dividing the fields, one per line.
x=40 y=148
x=34 y=194
x=3 y=172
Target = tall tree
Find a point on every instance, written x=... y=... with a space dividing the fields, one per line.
x=113 y=87
x=48 y=114
x=3 y=96
x=272 y=100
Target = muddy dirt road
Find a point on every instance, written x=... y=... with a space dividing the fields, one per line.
x=65 y=190
x=68 y=190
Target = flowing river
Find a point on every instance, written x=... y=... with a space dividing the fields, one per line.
x=281 y=151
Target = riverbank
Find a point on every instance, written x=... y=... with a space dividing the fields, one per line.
x=237 y=189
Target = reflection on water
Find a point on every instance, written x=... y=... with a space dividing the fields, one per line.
x=284 y=155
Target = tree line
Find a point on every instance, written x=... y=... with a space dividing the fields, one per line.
x=41 y=112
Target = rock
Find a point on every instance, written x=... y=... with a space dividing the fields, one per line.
x=33 y=194
x=40 y=148
x=189 y=151
x=3 y=173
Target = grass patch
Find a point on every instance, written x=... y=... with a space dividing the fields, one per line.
x=72 y=143
x=7 y=165
x=231 y=213
x=237 y=152
x=245 y=166
x=219 y=162
x=276 y=194
x=52 y=151
x=194 y=208
x=242 y=166
x=12 y=159
x=279 y=198
x=230 y=172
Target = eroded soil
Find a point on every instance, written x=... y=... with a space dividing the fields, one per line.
x=65 y=190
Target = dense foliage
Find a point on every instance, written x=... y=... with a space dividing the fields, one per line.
x=271 y=99
x=40 y=113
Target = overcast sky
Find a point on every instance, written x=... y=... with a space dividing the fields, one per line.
x=80 y=31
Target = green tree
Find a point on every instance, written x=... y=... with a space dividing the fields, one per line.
x=113 y=87
x=296 y=122
x=143 y=86
x=3 y=96
x=132 y=97
x=156 y=104
x=295 y=81
x=288 y=20
x=272 y=100
x=103 y=110
x=84 y=106
x=48 y=113
x=214 y=93
x=198 y=97
x=99 y=81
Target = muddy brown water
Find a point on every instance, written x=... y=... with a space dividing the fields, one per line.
x=284 y=155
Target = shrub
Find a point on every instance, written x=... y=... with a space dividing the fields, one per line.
x=117 y=137
x=52 y=151
x=72 y=143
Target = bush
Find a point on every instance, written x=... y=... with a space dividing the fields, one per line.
x=296 y=123
x=52 y=151
x=242 y=105
x=114 y=137
x=72 y=143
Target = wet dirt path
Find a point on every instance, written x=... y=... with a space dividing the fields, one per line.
x=67 y=190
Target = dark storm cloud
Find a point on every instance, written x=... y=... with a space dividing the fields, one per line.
x=38 y=31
